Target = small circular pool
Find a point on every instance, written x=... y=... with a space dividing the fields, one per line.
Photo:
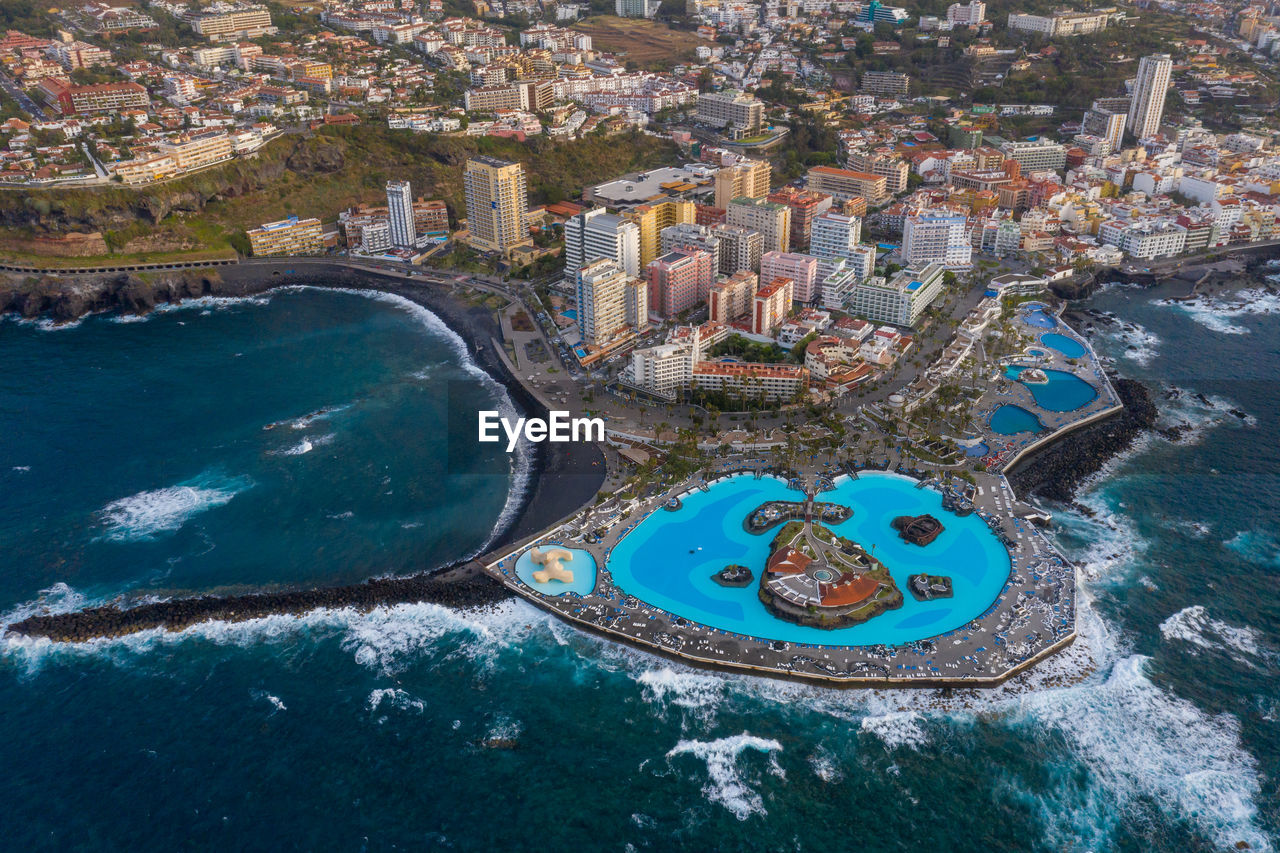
x=669 y=559
x=1011 y=420
x=582 y=564
x=979 y=449
x=1069 y=347
x=1063 y=392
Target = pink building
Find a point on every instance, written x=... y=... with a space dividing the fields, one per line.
x=680 y=280
x=771 y=305
x=802 y=269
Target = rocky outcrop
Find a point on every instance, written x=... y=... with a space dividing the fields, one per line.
x=1056 y=471
x=63 y=299
x=465 y=585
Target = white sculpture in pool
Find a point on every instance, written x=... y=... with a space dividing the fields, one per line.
x=551 y=560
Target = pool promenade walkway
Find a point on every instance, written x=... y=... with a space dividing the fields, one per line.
x=1006 y=450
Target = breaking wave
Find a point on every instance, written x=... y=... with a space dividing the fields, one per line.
x=1194 y=627
x=1217 y=313
x=1141 y=742
x=148 y=514
x=728 y=784
x=899 y=729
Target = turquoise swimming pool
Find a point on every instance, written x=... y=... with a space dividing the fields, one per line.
x=1064 y=392
x=583 y=566
x=1069 y=347
x=1011 y=420
x=669 y=558
x=1038 y=318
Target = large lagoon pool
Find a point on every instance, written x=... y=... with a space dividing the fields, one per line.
x=1069 y=347
x=1064 y=392
x=669 y=558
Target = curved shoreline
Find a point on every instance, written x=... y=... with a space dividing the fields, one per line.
x=460 y=584
x=561 y=479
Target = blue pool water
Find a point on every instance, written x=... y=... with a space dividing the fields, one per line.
x=1069 y=347
x=571 y=313
x=583 y=566
x=979 y=449
x=1064 y=392
x=1010 y=420
x=669 y=558
x=1038 y=318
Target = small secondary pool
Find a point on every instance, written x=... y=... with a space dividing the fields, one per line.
x=979 y=449
x=669 y=558
x=1064 y=392
x=1011 y=420
x=1069 y=347
x=1038 y=318
x=571 y=313
x=583 y=566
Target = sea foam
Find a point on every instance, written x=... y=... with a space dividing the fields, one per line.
x=727 y=782
x=148 y=514
x=1198 y=631
x=1142 y=742
x=1217 y=314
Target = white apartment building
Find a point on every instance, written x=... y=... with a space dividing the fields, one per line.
x=400 y=214
x=1036 y=156
x=1059 y=24
x=771 y=220
x=936 y=238
x=611 y=304
x=835 y=235
x=595 y=234
x=1146 y=107
x=900 y=301
x=970 y=14
x=1106 y=119
x=738 y=110
x=1147 y=239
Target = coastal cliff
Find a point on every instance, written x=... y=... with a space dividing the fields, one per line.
x=66 y=299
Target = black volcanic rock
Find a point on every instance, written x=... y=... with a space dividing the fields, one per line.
x=1056 y=471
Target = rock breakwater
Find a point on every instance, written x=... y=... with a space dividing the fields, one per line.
x=463 y=585
x=1056 y=471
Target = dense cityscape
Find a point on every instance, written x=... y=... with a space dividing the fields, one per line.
x=915 y=371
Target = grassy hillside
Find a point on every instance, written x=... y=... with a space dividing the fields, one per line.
x=644 y=42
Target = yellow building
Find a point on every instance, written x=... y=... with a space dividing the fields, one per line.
x=144 y=170
x=748 y=179
x=497 y=204
x=195 y=150
x=292 y=236
x=652 y=218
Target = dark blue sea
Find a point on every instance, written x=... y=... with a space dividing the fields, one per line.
x=136 y=458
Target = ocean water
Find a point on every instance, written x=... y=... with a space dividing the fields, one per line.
x=423 y=728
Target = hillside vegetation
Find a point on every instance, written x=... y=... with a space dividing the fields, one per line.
x=314 y=175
